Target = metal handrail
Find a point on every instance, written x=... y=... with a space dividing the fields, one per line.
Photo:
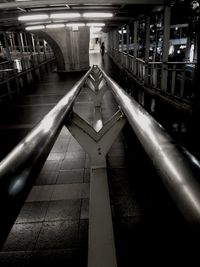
x=179 y=170
x=22 y=164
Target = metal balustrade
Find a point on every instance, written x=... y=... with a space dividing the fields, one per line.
x=178 y=169
x=179 y=74
x=19 y=66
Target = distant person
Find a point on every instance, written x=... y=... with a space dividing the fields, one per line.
x=102 y=49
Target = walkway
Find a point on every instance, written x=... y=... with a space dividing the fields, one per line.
x=52 y=227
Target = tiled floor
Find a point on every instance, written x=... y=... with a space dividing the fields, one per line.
x=52 y=227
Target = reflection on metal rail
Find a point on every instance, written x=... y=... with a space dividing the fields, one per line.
x=18 y=169
x=179 y=170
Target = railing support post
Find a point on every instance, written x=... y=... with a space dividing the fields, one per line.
x=101 y=250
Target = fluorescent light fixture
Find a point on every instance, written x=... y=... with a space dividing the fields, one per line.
x=33 y=17
x=64 y=15
x=75 y=24
x=31 y=28
x=95 y=24
x=37 y=22
x=96 y=29
x=53 y=26
x=97 y=15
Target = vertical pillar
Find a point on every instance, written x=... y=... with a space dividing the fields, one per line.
x=38 y=48
x=33 y=42
x=14 y=44
x=110 y=42
x=26 y=42
x=127 y=39
x=7 y=47
x=11 y=42
x=188 y=46
x=116 y=41
x=122 y=45
x=122 y=39
x=73 y=48
x=118 y=37
x=135 y=46
x=20 y=48
x=31 y=61
x=196 y=81
x=22 y=42
x=165 y=48
x=112 y=39
x=147 y=45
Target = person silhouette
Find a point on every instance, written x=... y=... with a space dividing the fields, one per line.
x=102 y=49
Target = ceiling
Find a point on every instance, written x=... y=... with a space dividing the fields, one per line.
x=123 y=11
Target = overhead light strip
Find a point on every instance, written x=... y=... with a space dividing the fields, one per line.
x=33 y=17
x=97 y=15
x=75 y=24
x=39 y=27
x=95 y=26
x=90 y=24
x=64 y=15
x=54 y=26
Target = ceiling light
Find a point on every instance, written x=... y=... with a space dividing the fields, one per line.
x=64 y=15
x=95 y=24
x=97 y=15
x=75 y=24
x=33 y=17
x=37 y=22
x=53 y=26
x=94 y=30
x=39 y=27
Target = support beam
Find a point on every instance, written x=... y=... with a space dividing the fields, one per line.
x=135 y=46
x=165 y=47
x=96 y=144
x=97 y=141
x=101 y=245
x=96 y=97
x=147 y=45
x=48 y=2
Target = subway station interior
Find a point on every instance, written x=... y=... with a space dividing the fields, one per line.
x=99 y=133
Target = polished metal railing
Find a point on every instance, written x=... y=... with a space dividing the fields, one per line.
x=179 y=170
x=22 y=164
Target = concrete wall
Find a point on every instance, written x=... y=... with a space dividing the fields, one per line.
x=73 y=44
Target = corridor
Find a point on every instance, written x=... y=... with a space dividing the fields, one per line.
x=52 y=226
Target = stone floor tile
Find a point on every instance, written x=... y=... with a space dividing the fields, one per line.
x=59 y=234
x=32 y=212
x=63 y=210
x=23 y=237
x=70 y=176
